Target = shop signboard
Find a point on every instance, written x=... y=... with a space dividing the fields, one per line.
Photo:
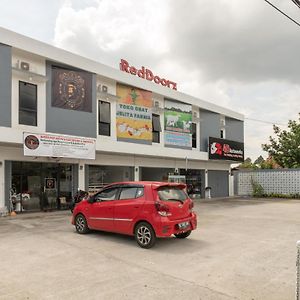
x=134 y=115
x=222 y=149
x=54 y=145
x=178 y=124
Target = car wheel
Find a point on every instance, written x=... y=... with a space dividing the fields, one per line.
x=81 y=224
x=145 y=235
x=183 y=235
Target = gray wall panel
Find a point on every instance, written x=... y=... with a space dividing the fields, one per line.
x=234 y=130
x=70 y=122
x=209 y=126
x=219 y=183
x=5 y=85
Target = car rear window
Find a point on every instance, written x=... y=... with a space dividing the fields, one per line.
x=171 y=193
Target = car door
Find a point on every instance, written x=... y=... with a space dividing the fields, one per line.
x=101 y=211
x=127 y=207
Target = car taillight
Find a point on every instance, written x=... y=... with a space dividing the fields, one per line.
x=191 y=205
x=162 y=209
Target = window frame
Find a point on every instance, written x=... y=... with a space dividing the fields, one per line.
x=156 y=133
x=108 y=188
x=28 y=110
x=136 y=192
x=101 y=122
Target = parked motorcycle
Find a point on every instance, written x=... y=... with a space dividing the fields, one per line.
x=79 y=196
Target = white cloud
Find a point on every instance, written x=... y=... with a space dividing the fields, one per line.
x=239 y=55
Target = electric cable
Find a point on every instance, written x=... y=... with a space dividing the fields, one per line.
x=266 y=122
x=296 y=2
x=283 y=12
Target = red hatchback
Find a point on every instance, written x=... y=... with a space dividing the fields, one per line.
x=146 y=210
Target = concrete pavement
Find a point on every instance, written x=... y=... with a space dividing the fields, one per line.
x=242 y=249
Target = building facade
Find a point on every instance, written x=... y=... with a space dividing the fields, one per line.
x=69 y=123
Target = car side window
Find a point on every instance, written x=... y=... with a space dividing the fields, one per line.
x=131 y=193
x=107 y=195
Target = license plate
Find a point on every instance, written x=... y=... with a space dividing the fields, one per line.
x=183 y=225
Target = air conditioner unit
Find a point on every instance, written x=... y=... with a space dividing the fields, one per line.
x=23 y=65
x=156 y=104
x=104 y=89
x=196 y=116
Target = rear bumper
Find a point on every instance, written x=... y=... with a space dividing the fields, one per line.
x=167 y=227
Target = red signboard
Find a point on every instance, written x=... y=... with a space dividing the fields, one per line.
x=146 y=74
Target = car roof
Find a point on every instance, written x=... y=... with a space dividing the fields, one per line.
x=154 y=184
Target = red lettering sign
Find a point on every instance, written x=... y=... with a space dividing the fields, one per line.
x=146 y=74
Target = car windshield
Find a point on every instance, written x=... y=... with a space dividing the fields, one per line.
x=171 y=193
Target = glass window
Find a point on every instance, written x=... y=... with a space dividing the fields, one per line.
x=131 y=193
x=222 y=134
x=155 y=137
x=104 y=112
x=104 y=129
x=107 y=194
x=156 y=128
x=104 y=118
x=194 y=135
x=156 y=123
x=27 y=103
x=171 y=193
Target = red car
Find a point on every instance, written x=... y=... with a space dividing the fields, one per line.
x=146 y=210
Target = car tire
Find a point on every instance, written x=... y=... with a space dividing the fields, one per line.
x=145 y=235
x=183 y=235
x=81 y=224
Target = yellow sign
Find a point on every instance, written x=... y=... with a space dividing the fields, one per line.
x=134 y=115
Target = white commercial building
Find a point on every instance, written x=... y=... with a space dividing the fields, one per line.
x=67 y=122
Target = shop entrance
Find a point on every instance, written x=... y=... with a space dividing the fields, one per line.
x=41 y=186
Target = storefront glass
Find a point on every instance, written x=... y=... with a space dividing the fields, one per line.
x=100 y=176
x=40 y=186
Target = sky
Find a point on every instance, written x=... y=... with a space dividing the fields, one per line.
x=242 y=55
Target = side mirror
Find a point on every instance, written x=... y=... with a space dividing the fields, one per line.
x=91 y=199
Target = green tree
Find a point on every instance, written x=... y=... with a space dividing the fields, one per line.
x=285 y=148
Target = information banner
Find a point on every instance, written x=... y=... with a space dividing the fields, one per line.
x=134 y=115
x=178 y=124
x=54 y=145
x=178 y=140
x=222 y=149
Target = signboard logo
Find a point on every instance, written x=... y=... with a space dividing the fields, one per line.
x=222 y=149
x=146 y=74
x=31 y=142
x=50 y=183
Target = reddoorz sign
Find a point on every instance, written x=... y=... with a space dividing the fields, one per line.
x=146 y=74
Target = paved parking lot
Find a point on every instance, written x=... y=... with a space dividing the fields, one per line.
x=242 y=249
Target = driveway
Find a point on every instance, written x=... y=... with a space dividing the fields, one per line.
x=242 y=249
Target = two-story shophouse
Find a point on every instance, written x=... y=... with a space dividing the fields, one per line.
x=69 y=123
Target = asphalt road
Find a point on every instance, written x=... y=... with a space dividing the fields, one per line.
x=242 y=249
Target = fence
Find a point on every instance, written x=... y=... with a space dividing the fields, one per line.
x=274 y=181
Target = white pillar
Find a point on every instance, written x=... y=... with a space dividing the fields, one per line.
x=231 y=184
x=2 y=186
x=206 y=178
x=81 y=177
x=136 y=173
